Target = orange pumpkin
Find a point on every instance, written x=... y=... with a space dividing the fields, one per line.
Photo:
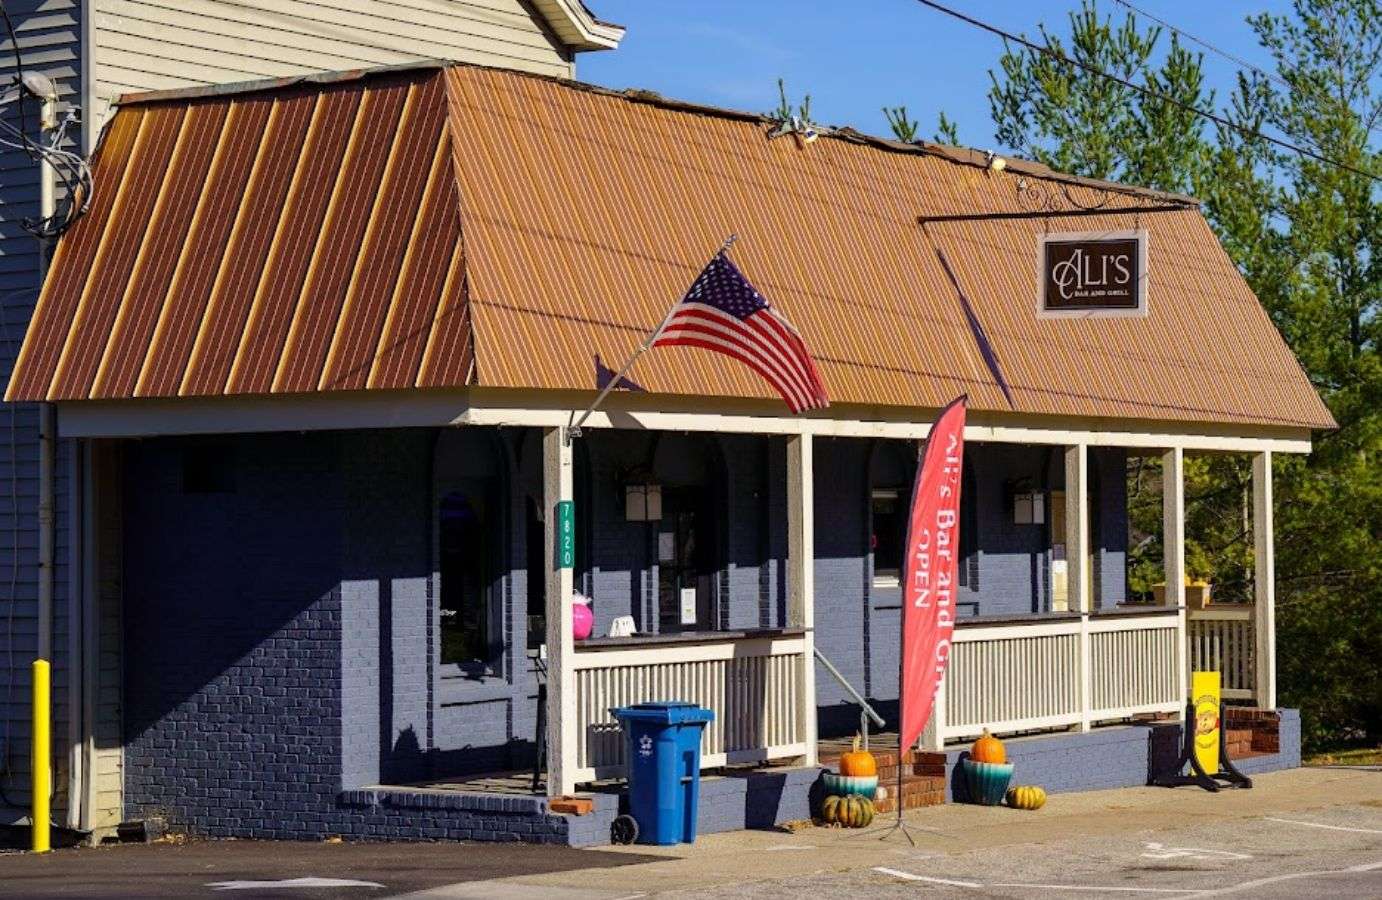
x=858 y=762
x=988 y=749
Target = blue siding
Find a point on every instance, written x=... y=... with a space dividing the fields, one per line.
x=280 y=639
x=48 y=32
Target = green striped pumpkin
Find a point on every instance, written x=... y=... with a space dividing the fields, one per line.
x=851 y=811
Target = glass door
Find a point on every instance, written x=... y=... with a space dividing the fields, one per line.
x=686 y=561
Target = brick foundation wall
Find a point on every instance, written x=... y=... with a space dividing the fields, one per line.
x=1116 y=757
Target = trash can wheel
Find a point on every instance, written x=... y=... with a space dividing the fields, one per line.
x=623 y=830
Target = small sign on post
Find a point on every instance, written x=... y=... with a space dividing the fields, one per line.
x=566 y=534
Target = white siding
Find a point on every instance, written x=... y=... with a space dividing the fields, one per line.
x=107 y=760
x=143 y=45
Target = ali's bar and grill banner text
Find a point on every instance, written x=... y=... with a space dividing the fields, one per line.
x=929 y=569
x=1093 y=273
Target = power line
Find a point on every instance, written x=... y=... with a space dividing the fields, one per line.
x=1146 y=91
x=1231 y=57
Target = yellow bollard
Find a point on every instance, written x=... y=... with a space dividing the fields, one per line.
x=41 y=777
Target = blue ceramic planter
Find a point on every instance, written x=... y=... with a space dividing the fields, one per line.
x=988 y=782
x=844 y=785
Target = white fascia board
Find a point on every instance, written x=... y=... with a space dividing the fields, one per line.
x=577 y=28
x=497 y=407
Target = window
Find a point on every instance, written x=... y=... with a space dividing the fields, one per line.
x=969 y=529
x=537 y=576
x=887 y=533
x=464 y=569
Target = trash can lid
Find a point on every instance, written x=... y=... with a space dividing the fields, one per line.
x=669 y=712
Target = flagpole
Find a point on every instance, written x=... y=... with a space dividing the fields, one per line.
x=573 y=428
x=901 y=825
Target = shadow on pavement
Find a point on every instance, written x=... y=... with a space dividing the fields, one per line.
x=179 y=870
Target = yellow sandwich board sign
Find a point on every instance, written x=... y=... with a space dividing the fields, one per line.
x=1204 y=694
x=1203 y=748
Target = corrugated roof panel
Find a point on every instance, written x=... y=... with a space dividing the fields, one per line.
x=294 y=248
x=324 y=252
x=435 y=243
x=1221 y=367
x=165 y=243
x=586 y=216
x=258 y=220
x=203 y=255
x=448 y=358
x=338 y=252
x=115 y=262
x=393 y=227
x=52 y=321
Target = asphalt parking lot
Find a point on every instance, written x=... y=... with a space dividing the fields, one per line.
x=1304 y=833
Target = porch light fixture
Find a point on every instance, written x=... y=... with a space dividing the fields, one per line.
x=643 y=502
x=1029 y=508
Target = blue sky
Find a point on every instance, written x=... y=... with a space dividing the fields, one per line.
x=854 y=56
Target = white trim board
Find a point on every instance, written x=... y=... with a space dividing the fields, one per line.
x=477 y=406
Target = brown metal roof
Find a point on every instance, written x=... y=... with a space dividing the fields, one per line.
x=307 y=237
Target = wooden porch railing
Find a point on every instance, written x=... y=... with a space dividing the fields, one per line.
x=1028 y=675
x=752 y=684
x=1223 y=638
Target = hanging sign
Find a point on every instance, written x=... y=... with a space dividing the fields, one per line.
x=1092 y=274
x=929 y=570
x=1204 y=691
x=566 y=534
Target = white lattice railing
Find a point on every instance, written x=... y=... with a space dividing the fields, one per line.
x=1133 y=666
x=752 y=684
x=1029 y=676
x=1013 y=678
x=1222 y=639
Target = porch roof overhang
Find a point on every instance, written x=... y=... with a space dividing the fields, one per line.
x=443 y=227
x=552 y=409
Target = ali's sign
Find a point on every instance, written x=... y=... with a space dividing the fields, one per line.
x=1093 y=273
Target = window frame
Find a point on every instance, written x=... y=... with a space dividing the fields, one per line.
x=495 y=668
x=887 y=581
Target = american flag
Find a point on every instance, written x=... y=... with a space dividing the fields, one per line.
x=724 y=313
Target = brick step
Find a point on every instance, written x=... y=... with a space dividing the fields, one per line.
x=888 y=774
x=917 y=762
x=917 y=791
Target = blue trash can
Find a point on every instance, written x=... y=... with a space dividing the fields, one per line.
x=662 y=747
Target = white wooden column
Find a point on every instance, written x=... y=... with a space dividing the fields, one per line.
x=1173 y=554
x=561 y=682
x=1264 y=577
x=933 y=737
x=801 y=577
x=1077 y=563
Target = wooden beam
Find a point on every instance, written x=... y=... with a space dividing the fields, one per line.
x=1173 y=553
x=152 y=417
x=801 y=579
x=557 y=486
x=1264 y=578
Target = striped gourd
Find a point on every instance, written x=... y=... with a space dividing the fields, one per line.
x=851 y=811
x=1027 y=796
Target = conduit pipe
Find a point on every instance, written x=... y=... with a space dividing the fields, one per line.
x=41 y=776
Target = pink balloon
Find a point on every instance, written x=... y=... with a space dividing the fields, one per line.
x=582 y=621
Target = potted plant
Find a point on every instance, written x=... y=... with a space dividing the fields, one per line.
x=1197 y=592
